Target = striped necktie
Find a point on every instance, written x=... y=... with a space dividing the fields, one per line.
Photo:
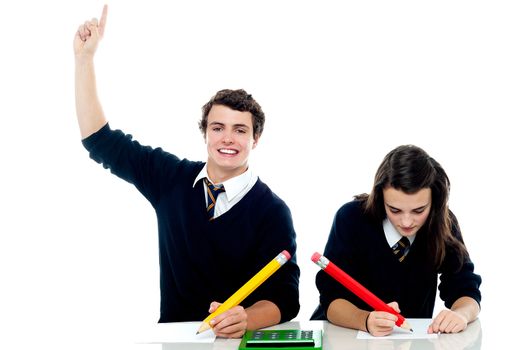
x=212 y=192
x=401 y=248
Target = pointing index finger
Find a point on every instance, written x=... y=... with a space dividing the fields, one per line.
x=102 y=21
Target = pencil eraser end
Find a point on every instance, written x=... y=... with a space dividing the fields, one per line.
x=315 y=257
x=287 y=254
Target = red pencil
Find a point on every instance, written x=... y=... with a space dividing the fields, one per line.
x=355 y=287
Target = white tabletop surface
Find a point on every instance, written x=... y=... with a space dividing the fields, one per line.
x=338 y=338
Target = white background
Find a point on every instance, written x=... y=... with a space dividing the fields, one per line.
x=341 y=83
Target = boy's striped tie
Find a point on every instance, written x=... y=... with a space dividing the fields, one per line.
x=212 y=192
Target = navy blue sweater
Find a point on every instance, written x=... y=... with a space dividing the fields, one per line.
x=203 y=261
x=359 y=247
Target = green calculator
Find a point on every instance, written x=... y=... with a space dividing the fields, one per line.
x=293 y=339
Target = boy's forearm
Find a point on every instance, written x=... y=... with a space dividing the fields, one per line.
x=262 y=314
x=89 y=110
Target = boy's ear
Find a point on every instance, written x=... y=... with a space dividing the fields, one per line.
x=256 y=140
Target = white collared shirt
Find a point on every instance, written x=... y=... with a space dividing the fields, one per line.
x=392 y=235
x=235 y=189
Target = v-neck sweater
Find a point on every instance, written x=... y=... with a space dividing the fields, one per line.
x=200 y=260
x=359 y=246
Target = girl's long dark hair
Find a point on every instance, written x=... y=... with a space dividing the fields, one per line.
x=409 y=168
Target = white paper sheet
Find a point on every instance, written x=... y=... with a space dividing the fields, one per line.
x=419 y=326
x=174 y=332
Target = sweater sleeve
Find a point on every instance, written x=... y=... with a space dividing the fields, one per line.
x=458 y=281
x=276 y=228
x=341 y=250
x=147 y=168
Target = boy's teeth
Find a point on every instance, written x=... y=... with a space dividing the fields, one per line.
x=227 y=151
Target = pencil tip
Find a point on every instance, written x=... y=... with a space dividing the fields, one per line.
x=411 y=329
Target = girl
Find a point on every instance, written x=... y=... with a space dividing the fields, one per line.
x=396 y=241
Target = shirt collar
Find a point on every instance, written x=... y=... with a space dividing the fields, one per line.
x=392 y=235
x=202 y=174
x=233 y=186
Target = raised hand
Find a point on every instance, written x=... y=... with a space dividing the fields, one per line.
x=89 y=35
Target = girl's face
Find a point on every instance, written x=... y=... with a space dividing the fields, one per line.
x=407 y=212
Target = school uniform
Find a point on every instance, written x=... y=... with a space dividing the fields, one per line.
x=204 y=260
x=359 y=246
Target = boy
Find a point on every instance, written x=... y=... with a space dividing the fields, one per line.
x=218 y=223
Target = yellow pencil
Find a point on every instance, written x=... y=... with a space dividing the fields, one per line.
x=247 y=288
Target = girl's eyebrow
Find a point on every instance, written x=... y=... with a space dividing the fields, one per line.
x=395 y=208
x=422 y=207
x=391 y=207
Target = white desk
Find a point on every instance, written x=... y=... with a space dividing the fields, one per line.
x=338 y=338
